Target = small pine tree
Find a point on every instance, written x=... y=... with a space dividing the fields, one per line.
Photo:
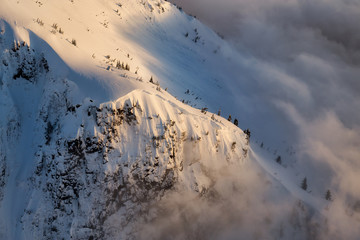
x=219 y=112
x=248 y=133
x=118 y=65
x=247 y=137
x=212 y=117
x=304 y=184
x=203 y=110
x=262 y=144
x=229 y=118
x=328 y=195
x=236 y=122
x=73 y=42
x=278 y=159
x=151 y=80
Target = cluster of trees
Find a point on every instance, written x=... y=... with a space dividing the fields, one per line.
x=40 y=22
x=122 y=66
x=304 y=186
x=57 y=28
x=236 y=123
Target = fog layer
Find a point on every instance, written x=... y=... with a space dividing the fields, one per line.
x=303 y=59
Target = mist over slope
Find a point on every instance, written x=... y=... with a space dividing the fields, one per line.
x=91 y=149
x=310 y=54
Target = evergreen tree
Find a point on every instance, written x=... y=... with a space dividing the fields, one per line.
x=278 y=159
x=236 y=122
x=248 y=133
x=118 y=65
x=304 y=184
x=219 y=112
x=73 y=42
x=229 y=118
x=328 y=195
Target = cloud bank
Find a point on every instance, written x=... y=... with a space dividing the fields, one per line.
x=242 y=204
x=309 y=51
x=303 y=60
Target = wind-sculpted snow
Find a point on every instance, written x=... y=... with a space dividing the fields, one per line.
x=94 y=146
x=87 y=162
x=120 y=159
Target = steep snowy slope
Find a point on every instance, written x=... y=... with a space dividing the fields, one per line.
x=153 y=37
x=138 y=33
x=89 y=146
x=71 y=160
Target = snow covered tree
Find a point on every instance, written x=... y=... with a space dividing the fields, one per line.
x=248 y=133
x=229 y=118
x=304 y=184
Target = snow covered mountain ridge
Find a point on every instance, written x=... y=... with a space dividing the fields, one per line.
x=86 y=161
x=94 y=145
x=71 y=162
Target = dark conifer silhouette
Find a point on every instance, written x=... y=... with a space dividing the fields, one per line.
x=304 y=184
x=328 y=195
x=278 y=159
x=236 y=122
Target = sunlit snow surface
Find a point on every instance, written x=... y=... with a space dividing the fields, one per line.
x=218 y=193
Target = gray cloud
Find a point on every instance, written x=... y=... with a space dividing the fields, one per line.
x=299 y=63
x=335 y=21
x=239 y=206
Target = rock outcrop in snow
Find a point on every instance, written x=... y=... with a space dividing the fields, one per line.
x=87 y=161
